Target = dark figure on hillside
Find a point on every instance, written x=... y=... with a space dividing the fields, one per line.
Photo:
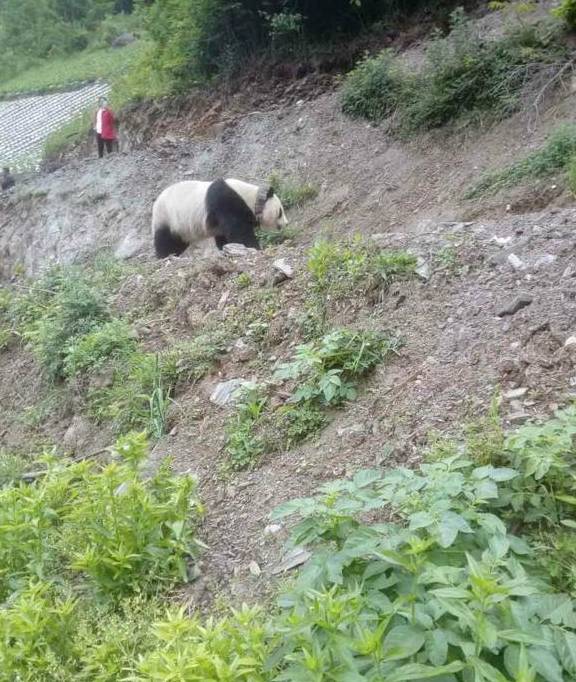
x=105 y=128
x=6 y=179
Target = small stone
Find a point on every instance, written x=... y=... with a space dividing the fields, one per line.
x=516 y=393
x=514 y=306
x=570 y=271
x=283 y=267
x=518 y=417
x=234 y=250
x=502 y=241
x=129 y=246
x=254 y=569
x=570 y=343
x=223 y=300
x=77 y=435
x=422 y=268
x=515 y=262
x=272 y=529
x=351 y=430
x=226 y=392
x=296 y=557
x=545 y=260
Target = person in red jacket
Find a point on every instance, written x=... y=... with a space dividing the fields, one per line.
x=105 y=127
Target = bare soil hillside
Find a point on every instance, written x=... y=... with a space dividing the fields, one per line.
x=493 y=308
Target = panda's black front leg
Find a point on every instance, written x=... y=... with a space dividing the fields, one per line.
x=220 y=241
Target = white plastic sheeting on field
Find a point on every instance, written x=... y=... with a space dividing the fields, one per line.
x=27 y=121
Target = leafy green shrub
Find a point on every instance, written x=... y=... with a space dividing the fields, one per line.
x=556 y=155
x=35 y=629
x=567 y=11
x=194 y=359
x=126 y=401
x=77 y=312
x=445 y=591
x=121 y=533
x=127 y=535
x=243 y=445
x=233 y=648
x=464 y=75
x=112 y=340
x=327 y=369
x=372 y=89
x=274 y=237
x=327 y=372
x=12 y=466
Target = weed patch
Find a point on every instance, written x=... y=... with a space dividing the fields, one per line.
x=327 y=373
x=291 y=194
x=350 y=269
x=557 y=154
x=464 y=77
x=372 y=90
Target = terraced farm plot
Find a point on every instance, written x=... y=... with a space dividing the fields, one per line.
x=28 y=121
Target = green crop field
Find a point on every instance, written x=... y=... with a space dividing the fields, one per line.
x=105 y=63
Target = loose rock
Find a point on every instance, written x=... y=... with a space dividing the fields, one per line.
x=225 y=392
x=516 y=393
x=517 y=304
x=516 y=262
x=296 y=557
x=234 y=250
x=284 y=268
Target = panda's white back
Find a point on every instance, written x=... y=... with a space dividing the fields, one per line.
x=247 y=191
x=181 y=206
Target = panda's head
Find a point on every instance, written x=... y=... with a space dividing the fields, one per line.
x=272 y=216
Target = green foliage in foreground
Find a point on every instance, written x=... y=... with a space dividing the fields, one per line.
x=106 y=528
x=557 y=154
x=442 y=589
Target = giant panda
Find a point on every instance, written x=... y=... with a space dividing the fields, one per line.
x=227 y=210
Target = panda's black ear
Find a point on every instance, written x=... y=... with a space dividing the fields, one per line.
x=270 y=193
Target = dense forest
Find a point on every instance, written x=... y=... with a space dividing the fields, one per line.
x=187 y=40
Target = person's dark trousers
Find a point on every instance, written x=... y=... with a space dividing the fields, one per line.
x=101 y=143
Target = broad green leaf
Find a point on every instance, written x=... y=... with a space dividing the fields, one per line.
x=569 y=499
x=450 y=525
x=421 y=520
x=565 y=642
x=557 y=608
x=366 y=477
x=416 y=671
x=520 y=637
x=546 y=664
x=401 y=642
x=486 y=671
x=436 y=647
x=451 y=593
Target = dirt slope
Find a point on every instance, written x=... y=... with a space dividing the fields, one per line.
x=459 y=346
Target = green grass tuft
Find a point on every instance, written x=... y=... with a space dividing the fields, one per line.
x=556 y=155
